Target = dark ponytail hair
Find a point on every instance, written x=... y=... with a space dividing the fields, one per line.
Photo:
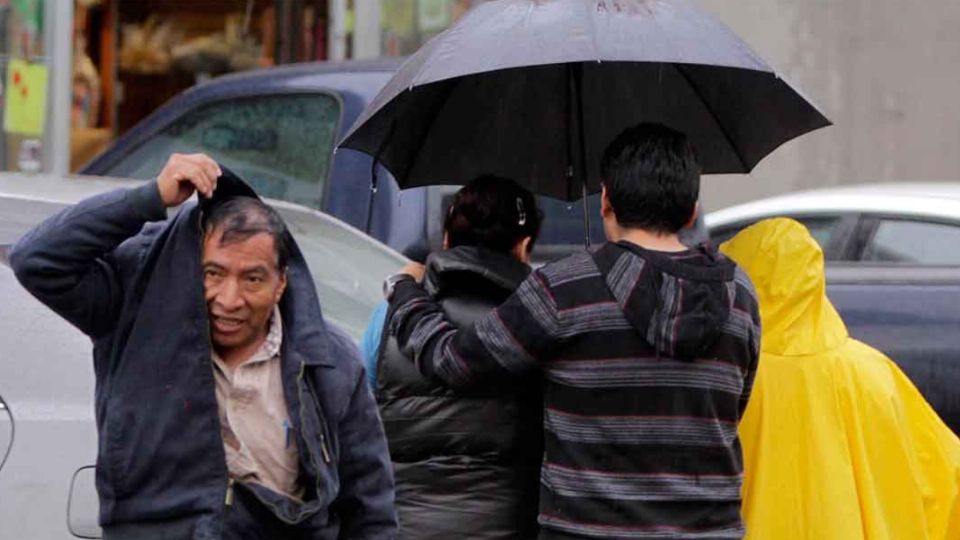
x=494 y=213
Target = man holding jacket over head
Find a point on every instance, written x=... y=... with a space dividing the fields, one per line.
x=225 y=407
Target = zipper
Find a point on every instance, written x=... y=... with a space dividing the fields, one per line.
x=323 y=436
x=323 y=447
x=323 y=439
x=228 y=499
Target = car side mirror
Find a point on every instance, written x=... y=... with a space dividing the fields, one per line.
x=83 y=505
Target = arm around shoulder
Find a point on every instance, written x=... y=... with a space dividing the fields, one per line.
x=512 y=340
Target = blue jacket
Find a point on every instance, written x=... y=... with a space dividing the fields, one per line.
x=370 y=342
x=135 y=287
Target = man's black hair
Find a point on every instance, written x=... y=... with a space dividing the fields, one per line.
x=652 y=177
x=494 y=213
x=240 y=218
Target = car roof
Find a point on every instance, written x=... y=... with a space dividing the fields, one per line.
x=59 y=189
x=933 y=200
x=287 y=71
x=307 y=75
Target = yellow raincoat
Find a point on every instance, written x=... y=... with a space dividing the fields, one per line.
x=837 y=442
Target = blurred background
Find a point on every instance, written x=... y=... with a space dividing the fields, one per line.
x=79 y=73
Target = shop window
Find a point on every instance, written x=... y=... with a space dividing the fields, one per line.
x=408 y=24
x=280 y=144
x=24 y=85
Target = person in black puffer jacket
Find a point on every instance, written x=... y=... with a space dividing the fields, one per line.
x=467 y=465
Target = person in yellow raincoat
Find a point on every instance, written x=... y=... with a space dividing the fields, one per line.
x=837 y=442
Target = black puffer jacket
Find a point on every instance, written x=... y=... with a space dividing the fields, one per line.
x=466 y=464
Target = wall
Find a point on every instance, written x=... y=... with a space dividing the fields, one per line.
x=887 y=72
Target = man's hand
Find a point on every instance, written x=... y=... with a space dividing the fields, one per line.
x=414 y=269
x=185 y=173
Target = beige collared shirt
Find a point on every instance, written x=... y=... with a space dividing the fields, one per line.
x=259 y=441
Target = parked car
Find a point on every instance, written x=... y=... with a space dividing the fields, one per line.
x=278 y=127
x=46 y=368
x=893 y=271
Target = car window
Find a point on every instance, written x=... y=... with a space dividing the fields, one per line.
x=822 y=229
x=280 y=144
x=348 y=267
x=563 y=221
x=914 y=242
x=562 y=230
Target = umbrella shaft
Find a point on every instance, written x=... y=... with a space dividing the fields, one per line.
x=576 y=141
x=586 y=217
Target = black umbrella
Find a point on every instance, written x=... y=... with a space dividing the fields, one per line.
x=535 y=89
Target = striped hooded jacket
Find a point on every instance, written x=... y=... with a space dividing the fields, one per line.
x=647 y=360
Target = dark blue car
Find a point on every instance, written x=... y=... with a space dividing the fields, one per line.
x=277 y=128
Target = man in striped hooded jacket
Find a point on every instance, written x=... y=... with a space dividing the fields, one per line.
x=647 y=348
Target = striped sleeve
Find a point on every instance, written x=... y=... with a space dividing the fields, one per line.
x=750 y=307
x=513 y=339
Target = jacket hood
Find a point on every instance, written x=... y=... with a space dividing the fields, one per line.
x=677 y=301
x=448 y=267
x=786 y=266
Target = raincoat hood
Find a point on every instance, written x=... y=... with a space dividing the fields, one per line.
x=679 y=302
x=786 y=266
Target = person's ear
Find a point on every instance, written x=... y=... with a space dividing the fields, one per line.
x=606 y=209
x=521 y=250
x=446 y=241
x=693 y=217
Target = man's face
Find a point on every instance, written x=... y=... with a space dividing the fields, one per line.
x=242 y=284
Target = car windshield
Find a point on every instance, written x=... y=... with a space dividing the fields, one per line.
x=347 y=266
x=280 y=144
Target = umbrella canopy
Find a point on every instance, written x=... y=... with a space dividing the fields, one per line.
x=535 y=89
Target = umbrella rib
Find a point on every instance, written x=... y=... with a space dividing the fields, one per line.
x=726 y=135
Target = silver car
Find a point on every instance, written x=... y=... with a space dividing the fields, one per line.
x=46 y=369
x=893 y=271
x=879 y=224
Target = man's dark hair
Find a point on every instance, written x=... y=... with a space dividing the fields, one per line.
x=652 y=177
x=494 y=213
x=240 y=218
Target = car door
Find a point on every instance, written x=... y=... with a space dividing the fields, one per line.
x=46 y=380
x=279 y=142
